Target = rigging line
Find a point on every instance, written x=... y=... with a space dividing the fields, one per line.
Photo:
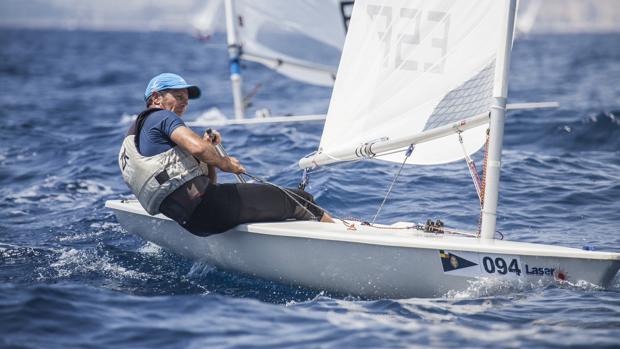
x=409 y=151
x=473 y=171
x=484 y=179
x=484 y=164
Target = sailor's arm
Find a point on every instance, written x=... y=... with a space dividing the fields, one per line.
x=187 y=139
x=212 y=174
x=217 y=139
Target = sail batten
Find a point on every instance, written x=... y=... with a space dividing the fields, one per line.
x=412 y=66
x=312 y=73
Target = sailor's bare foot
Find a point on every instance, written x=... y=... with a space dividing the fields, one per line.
x=327 y=218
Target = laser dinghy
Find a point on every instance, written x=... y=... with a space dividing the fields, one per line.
x=419 y=83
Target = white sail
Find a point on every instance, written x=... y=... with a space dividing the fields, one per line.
x=409 y=67
x=301 y=39
x=205 y=23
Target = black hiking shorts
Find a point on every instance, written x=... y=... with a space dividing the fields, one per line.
x=225 y=206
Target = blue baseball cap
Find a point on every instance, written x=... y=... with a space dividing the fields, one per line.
x=169 y=81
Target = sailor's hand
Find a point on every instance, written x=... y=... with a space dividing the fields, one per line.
x=232 y=165
x=213 y=137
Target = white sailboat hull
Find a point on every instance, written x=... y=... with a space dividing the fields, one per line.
x=368 y=262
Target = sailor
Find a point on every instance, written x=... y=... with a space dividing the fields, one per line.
x=173 y=170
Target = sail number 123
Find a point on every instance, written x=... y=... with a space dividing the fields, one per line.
x=405 y=40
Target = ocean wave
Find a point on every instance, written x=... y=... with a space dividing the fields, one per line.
x=599 y=131
x=58 y=190
x=594 y=132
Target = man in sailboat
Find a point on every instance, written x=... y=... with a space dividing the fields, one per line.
x=172 y=170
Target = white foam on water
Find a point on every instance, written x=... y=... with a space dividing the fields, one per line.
x=90 y=187
x=104 y=225
x=100 y=228
x=358 y=318
x=73 y=262
x=24 y=196
x=26 y=156
x=18 y=213
x=150 y=248
x=581 y=285
x=316 y=298
x=615 y=283
x=127 y=119
x=485 y=287
x=212 y=114
x=200 y=269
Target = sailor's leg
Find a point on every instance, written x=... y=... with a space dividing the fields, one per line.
x=310 y=205
x=226 y=205
x=265 y=203
x=218 y=211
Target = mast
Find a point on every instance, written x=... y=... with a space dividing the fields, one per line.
x=234 y=53
x=498 y=113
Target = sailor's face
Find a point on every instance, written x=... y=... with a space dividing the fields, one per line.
x=175 y=100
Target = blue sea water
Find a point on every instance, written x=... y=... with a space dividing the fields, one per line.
x=70 y=277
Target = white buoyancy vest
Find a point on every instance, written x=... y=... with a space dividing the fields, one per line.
x=153 y=178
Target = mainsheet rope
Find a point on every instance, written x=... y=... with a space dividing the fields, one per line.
x=407 y=155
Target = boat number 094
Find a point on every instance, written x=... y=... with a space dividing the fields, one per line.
x=500 y=266
x=401 y=61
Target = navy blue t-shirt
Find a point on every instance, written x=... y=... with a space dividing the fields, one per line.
x=156 y=130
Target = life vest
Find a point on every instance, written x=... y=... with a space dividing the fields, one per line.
x=152 y=179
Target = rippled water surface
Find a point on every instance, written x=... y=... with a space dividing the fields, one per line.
x=71 y=277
